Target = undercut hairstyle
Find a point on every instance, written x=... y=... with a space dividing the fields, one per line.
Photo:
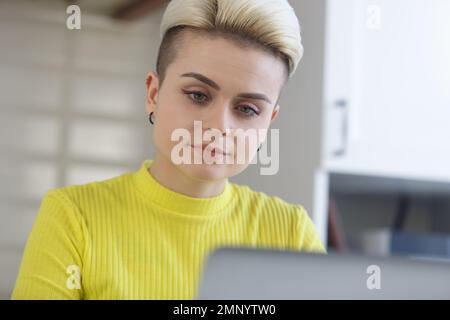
x=270 y=25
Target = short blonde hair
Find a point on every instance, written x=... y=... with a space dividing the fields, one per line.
x=270 y=23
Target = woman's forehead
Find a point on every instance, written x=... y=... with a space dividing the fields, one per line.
x=226 y=52
x=227 y=63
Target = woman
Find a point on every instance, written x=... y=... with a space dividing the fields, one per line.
x=145 y=234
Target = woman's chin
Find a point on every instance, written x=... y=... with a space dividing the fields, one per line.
x=207 y=172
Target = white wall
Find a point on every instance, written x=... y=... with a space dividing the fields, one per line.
x=71 y=110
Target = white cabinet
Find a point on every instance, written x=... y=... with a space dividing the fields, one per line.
x=371 y=96
x=387 y=88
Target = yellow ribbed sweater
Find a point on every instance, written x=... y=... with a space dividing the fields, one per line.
x=129 y=237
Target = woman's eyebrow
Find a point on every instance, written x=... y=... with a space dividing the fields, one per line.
x=211 y=83
x=202 y=78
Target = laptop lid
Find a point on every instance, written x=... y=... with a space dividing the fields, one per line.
x=255 y=273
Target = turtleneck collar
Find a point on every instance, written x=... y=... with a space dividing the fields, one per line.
x=180 y=203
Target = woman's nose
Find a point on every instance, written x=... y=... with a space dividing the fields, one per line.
x=220 y=120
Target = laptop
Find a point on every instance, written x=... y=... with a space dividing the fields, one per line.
x=233 y=273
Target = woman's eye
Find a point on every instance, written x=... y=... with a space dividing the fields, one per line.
x=248 y=111
x=197 y=97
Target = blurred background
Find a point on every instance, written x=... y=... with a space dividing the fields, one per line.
x=364 y=123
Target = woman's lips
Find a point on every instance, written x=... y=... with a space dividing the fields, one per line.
x=214 y=149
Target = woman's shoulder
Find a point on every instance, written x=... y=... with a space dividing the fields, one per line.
x=280 y=222
x=91 y=193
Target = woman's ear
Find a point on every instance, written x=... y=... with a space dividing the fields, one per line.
x=152 y=84
x=275 y=112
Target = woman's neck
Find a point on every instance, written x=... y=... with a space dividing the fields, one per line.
x=171 y=177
